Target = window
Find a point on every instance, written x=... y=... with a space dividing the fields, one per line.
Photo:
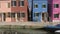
x=36 y=6
x=36 y=14
x=9 y=15
x=18 y=15
x=56 y=5
x=22 y=15
x=21 y=3
x=56 y=15
x=13 y=2
x=13 y=15
x=8 y=5
x=43 y=6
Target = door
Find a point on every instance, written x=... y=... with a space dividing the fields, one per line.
x=42 y=16
x=4 y=17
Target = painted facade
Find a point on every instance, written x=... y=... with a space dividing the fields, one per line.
x=39 y=10
x=4 y=9
x=20 y=10
x=54 y=10
x=13 y=10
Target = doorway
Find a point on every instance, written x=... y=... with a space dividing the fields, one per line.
x=4 y=17
x=44 y=17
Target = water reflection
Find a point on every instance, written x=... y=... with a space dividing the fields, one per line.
x=27 y=31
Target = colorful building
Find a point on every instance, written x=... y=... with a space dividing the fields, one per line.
x=19 y=10
x=39 y=10
x=13 y=10
x=5 y=8
x=54 y=10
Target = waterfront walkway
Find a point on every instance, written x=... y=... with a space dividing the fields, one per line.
x=29 y=24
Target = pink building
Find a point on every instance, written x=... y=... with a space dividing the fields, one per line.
x=54 y=10
x=4 y=10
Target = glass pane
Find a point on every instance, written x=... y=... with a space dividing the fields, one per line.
x=8 y=5
x=43 y=6
x=13 y=3
x=13 y=15
x=21 y=3
x=9 y=15
x=35 y=6
x=22 y=15
x=56 y=5
x=18 y=15
x=56 y=15
x=36 y=14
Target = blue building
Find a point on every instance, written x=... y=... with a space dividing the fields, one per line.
x=39 y=10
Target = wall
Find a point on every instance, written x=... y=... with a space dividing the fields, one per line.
x=39 y=9
x=21 y=9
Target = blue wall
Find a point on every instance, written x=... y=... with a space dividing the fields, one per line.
x=39 y=9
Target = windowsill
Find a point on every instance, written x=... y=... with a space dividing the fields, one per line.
x=44 y=8
x=21 y=17
x=13 y=6
x=36 y=16
x=9 y=7
x=36 y=8
x=56 y=18
x=56 y=8
x=21 y=6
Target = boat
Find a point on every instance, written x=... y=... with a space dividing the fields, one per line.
x=52 y=28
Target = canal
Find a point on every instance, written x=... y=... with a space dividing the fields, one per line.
x=24 y=31
x=29 y=31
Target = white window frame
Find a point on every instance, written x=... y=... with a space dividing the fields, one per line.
x=13 y=3
x=43 y=4
x=21 y=3
x=34 y=5
x=55 y=5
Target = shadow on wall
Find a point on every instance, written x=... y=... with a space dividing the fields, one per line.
x=29 y=15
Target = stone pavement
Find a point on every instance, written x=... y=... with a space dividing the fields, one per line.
x=29 y=24
x=33 y=24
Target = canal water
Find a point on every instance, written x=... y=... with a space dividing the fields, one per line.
x=28 y=31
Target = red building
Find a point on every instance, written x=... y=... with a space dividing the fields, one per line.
x=19 y=10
